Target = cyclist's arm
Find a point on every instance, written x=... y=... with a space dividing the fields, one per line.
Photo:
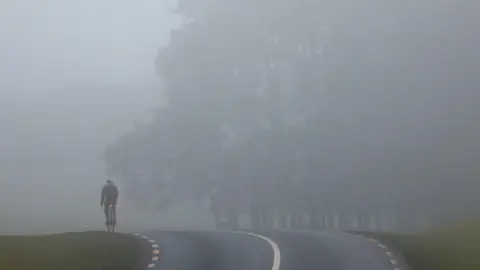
x=102 y=199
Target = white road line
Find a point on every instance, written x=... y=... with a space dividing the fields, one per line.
x=276 y=250
x=382 y=246
x=155 y=250
x=393 y=261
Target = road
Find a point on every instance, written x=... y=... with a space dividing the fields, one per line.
x=275 y=250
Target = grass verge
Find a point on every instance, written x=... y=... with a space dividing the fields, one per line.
x=72 y=251
x=452 y=249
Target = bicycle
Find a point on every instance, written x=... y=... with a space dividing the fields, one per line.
x=111 y=218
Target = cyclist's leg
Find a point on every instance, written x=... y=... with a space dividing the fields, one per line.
x=114 y=216
x=105 y=209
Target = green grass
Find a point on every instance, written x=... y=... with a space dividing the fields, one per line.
x=70 y=251
x=451 y=249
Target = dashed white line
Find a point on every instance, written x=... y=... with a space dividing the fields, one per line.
x=389 y=253
x=382 y=246
x=155 y=250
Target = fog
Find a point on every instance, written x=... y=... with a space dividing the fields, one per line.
x=73 y=75
x=239 y=114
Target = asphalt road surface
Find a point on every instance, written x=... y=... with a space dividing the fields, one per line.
x=278 y=250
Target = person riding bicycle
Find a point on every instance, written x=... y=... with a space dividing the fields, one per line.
x=109 y=197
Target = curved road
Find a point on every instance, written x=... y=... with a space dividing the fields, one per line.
x=276 y=250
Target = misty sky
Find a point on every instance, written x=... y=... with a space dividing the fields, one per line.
x=51 y=43
x=74 y=75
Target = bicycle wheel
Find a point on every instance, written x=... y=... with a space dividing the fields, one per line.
x=114 y=218
x=109 y=218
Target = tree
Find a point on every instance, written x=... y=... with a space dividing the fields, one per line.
x=305 y=115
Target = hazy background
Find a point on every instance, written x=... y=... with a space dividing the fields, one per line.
x=73 y=75
x=274 y=114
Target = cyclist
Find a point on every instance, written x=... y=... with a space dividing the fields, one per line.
x=109 y=197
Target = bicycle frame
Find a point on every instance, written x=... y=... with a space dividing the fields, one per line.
x=111 y=219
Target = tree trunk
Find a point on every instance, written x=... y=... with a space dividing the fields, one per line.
x=255 y=218
x=314 y=220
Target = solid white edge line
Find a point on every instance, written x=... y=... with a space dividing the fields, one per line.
x=276 y=250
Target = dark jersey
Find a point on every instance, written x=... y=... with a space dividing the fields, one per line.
x=109 y=194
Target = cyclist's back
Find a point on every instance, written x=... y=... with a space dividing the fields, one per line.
x=109 y=194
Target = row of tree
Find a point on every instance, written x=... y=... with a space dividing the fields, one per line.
x=313 y=114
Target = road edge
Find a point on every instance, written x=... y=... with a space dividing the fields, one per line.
x=397 y=261
x=154 y=251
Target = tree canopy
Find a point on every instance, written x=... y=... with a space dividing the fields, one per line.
x=308 y=113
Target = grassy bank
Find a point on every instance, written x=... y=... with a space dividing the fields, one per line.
x=72 y=251
x=452 y=249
